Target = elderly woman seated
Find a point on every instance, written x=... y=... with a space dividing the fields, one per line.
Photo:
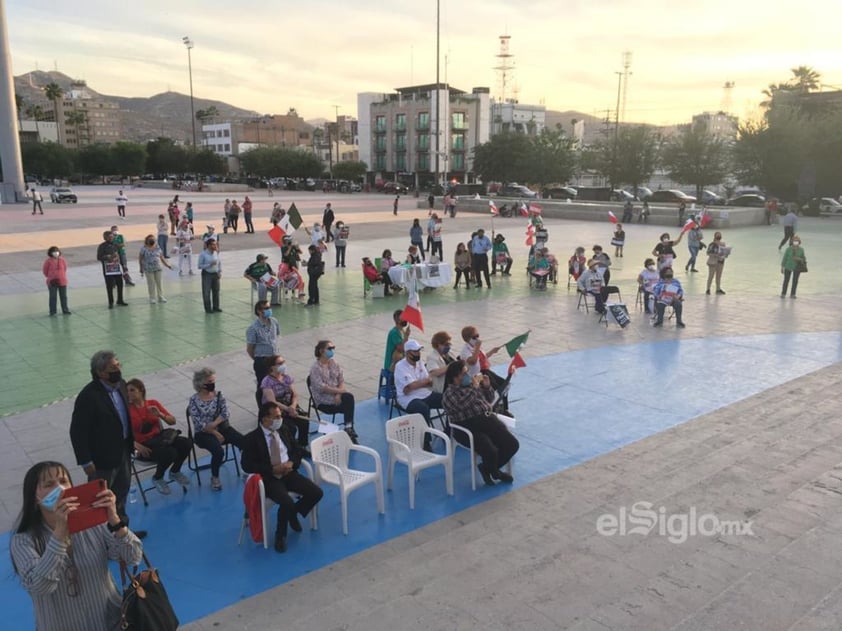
x=375 y=276
x=468 y=402
x=539 y=268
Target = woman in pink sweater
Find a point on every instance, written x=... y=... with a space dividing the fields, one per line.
x=55 y=271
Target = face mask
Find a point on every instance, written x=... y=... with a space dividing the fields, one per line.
x=796 y=243
x=267 y=313
x=115 y=376
x=276 y=424
x=466 y=379
x=210 y=387
x=150 y=243
x=281 y=369
x=329 y=353
x=50 y=500
x=664 y=240
x=667 y=277
x=651 y=268
x=413 y=356
x=55 y=255
x=445 y=349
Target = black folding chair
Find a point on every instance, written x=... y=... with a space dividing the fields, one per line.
x=193 y=459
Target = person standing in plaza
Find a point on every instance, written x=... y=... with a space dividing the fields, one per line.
x=262 y=342
x=120 y=242
x=437 y=249
x=122 y=200
x=327 y=221
x=682 y=211
x=794 y=264
x=248 y=209
x=163 y=235
x=790 y=224
x=188 y=213
x=416 y=236
x=394 y=205
x=211 y=268
x=431 y=202
x=226 y=216
x=717 y=253
x=55 y=271
x=694 y=244
x=340 y=242
x=315 y=268
x=150 y=261
x=480 y=247
x=234 y=215
x=184 y=238
x=101 y=429
x=37 y=199
x=109 y=256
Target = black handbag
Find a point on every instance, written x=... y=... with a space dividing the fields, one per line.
x=801 y=267
x=146 y=606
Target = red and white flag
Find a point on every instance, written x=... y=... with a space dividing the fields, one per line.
x=705 y=218
x=517 y=362
x=535 y=209
x=523 y=210
x=493 y=208
x=412 y=311
x=612 y=217
x=688 y=225
x=530 y=234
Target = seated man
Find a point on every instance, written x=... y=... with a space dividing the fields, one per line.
x=269 y=451
x=593 y=283
x=260 y=275
x=668 y=292
x=501 y=256
x=413 y=383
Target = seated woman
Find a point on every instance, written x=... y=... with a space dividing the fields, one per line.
x=212 y=429
x=500 y=255
x=592 y=283
x=327 y=385
x=539 y=269
x=412 y=256
x=277 y=388
x=553 y=264
x=462 y=265
x=386 y=263
x=166 y=448
x=67 y=575
x=646 y=281
x=577 y=264
x=467 y=402
x=375 y=276
x=439 y=359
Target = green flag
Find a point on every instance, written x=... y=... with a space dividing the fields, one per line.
x=294 y=216
x=513 y=345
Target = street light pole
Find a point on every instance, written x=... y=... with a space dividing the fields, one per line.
x=438 y=96
x=189 y=44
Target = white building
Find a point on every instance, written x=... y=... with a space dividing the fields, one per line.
x=511 y=116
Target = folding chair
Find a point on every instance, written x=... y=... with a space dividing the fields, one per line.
x=193 y=459
x=386 y=385
x=266 y=504
x=145 y=467
x=311 y=407
x=331 y=456
x=405 y=436
x=613 y=289
x=583 y=300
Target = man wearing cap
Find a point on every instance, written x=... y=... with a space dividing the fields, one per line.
x=413 y=383
x=260 y=275
x=210 y=234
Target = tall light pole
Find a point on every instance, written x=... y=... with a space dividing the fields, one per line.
x=438 y=96
x=12 y=189
x=189 y=44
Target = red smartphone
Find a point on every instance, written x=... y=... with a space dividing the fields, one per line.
x=86 y=516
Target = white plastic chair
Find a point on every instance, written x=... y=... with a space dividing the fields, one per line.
x=507 y=421
x=331 y=454
x=266 y=504
x=405 y=436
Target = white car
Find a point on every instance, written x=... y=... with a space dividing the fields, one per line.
x=829 y=206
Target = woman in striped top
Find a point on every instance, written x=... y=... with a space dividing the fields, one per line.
x=67 y=575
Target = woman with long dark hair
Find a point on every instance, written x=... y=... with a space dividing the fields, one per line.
x=67 y=575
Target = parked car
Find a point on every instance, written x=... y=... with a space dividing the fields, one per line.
x=559 y=192
x=395 y=187
x=823 y=206
x=619 y=195
x=672 y=196
x=709 y=198
x=517 y=190
x=61 y=195
x=643 y=192
x=750 y=200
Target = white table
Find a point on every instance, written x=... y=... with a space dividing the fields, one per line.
x=424 y=274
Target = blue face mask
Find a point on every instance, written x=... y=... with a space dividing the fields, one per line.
x=267 y=313
x=329 y=353
x=446 y=349
x=50 y=500
x=466 y=379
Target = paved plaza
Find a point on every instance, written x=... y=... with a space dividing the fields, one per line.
x=734 y=417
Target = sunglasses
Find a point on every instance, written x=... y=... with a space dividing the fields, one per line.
x=331 y=348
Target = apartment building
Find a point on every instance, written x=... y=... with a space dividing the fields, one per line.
x=422 y=130
x=87 y=119
x=232 y=138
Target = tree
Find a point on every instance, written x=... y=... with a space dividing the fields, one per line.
x=697 y=157
x=507 y=157
x=36 y=113
x=552 y=158
x=76 y=118
x=805 y=79
x=206 y=162
x=127 y=159
x=95 y=160
x=164 y=157
x=54 y=92
x=349 y=170
x=47 y=159
x=19 y=105
x=281 y=162
x=638 y=152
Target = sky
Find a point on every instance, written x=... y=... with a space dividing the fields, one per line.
x=313 y=55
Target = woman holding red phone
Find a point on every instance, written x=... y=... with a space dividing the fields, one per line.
x=151 y=442
x=67 y=575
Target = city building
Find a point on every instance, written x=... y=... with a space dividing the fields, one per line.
x=232 y=138
x=421 y=131
x=719 y=124
x=511 y=116
x=87 y=119
x=37 y=131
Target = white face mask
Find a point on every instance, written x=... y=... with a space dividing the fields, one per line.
x=55 y=255
x=276 y=424
x=651 y=268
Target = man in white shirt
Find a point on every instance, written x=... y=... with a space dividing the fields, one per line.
x=413 y=383
x=122 y=200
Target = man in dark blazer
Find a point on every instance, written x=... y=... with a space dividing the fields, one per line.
x=279 y=471
x=101 y=430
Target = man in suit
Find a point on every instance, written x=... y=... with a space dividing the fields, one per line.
x=271 y=452
x=101 y=431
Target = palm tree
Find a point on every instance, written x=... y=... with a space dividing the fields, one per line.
x=805 y=79
x=54 y=92
x=76 y=118
x=36 y=113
